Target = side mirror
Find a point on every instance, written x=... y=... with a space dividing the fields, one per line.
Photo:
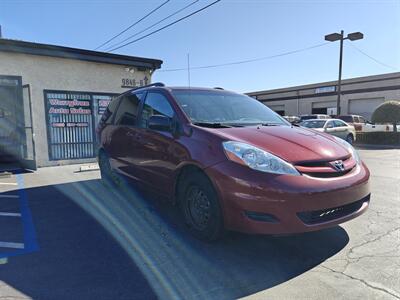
x=160 y=123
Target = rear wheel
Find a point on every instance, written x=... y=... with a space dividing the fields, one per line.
x=108 y=175
x=350 y=139
x=200 y=207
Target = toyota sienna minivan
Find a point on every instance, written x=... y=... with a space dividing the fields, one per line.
x=229 y=162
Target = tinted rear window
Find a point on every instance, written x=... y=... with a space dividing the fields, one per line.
x=346 y=118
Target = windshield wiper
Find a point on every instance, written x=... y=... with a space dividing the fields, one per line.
x=270 y=124
x=212 y=125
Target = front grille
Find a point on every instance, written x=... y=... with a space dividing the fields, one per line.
x=327 y=174
x=324 y=169
x=329 y=214
x=320 y=163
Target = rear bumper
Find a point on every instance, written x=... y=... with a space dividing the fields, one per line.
x=255 y=202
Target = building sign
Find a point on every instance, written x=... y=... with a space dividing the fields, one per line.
x=71 y=118
x=133 y=83
x=325 y=89
x=100 y=103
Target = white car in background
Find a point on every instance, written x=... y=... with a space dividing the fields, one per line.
x=362 y=125
x=335 y=127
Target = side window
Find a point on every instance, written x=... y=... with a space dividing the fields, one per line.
x=155 y=104
x=107 y=116
x=362 y=120
x=339 y=123
x=356 y=120
x=128 y=110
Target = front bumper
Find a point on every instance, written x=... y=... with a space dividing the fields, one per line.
x=262 y=203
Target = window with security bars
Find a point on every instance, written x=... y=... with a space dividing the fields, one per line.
x=71 y=120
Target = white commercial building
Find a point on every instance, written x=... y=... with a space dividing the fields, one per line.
x=51 y=98
x=359 y=96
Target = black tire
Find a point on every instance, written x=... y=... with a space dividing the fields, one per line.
x=201 y=208
x=108 y=175
x=350 y=139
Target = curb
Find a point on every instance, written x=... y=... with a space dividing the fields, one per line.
x=377 y=147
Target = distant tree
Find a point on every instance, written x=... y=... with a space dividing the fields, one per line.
x=388 y=112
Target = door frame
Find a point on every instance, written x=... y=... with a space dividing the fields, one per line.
x=29 y=163
x=16 y=81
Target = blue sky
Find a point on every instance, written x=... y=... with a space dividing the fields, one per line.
x=228 y=31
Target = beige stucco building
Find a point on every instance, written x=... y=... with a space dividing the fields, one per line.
x=359 y=96
x=51 y=98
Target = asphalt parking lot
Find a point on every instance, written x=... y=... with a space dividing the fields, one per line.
x=65 y=235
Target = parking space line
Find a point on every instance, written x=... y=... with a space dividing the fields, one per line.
x=9 y=196
x=9 y=214
x=30 y=240
x=8 y=183
x=11 y=245
x=29 y=244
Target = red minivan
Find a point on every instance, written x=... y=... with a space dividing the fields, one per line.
x=230 y=162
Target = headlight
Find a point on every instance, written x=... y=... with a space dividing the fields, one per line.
x=257 y=159
x=350 y=148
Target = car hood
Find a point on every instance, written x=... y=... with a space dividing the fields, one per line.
x=293 y=144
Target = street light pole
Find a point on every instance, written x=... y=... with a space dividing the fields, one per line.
x=340 y=37
x=339 y=87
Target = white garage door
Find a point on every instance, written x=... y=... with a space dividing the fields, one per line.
x=364 y=107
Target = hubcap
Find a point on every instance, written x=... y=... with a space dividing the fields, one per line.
x=199 y=207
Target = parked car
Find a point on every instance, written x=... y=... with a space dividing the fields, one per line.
x=354 y=120
x=292 y=119
x=229 y=162
x=335 y=127
x=362 y=125
x=310 y=117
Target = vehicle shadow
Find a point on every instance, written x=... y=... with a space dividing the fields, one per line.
x=79 y=258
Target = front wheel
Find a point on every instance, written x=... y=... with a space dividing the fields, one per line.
x=350 y=139
x=200 y=208
x=108 y=175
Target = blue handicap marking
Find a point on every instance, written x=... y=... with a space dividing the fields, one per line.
x=29 y=242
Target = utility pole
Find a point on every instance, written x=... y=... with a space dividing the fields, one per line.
x=340 y=75
x=340 y=37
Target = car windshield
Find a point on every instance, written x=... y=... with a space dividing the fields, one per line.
x=314 y=124
x=225 y=108
x=307 y=117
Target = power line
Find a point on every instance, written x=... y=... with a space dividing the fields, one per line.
x=374 y=59
x=147 y=28
x=247 y=60
x=166 y=26
x=137 y=22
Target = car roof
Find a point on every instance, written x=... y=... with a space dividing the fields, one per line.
x=324 y=120
x=182 y=88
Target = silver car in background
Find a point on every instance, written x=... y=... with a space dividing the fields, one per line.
x=335 y=127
